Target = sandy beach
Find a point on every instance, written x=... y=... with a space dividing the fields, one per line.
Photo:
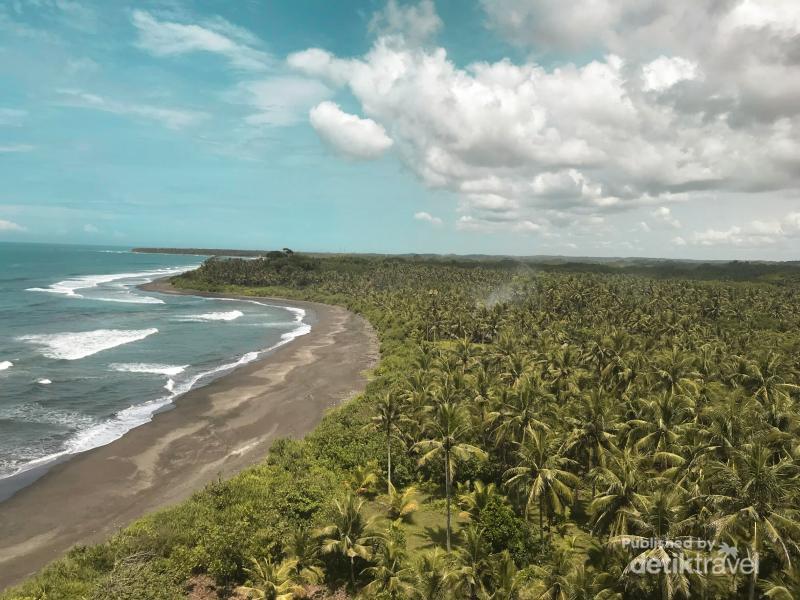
x=212 y=431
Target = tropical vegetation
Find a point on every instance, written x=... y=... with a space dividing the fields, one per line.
x=531 y=430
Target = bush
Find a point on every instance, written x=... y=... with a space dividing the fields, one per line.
x=504 y=530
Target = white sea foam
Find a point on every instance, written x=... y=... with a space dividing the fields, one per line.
x=74 y=346
x=6 y=364
x=231 y=315
x=44 y=382
x=170 y=385
x=70 y=287
x=100 y=434
x=170 y=370
x=299 y=313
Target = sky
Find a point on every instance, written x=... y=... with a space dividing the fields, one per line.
x=527 y=127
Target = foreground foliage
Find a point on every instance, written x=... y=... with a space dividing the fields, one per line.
x=548 y=420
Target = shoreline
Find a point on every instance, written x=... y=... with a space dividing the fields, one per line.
x=211 y=431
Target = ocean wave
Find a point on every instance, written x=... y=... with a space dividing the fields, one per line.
x=77 y=345
x=70 y=287
x=299 y=313
x=100 y=434
x=170 y=370
x=44 y=382
x=231 y=315
x=6 y=364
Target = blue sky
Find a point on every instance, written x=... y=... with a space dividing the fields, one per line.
x=396 y=127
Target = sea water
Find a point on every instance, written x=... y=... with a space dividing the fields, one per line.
x=85 y=356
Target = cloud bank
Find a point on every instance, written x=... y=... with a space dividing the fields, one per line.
x=689 y=100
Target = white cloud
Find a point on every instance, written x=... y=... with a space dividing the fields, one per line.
x=16 y=148
x=10 y=226
x=12 y=117
x=349 y=134
x=664 y=214
x=664 y=72
x=89 y=228
x=217 y=36
x=554 y=24
x=171 y=118
x=428 y=217
x=756 y=234
x=682 y=104
x=414 y=22
x=279 y=101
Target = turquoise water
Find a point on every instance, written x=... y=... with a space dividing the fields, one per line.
x=85 y=356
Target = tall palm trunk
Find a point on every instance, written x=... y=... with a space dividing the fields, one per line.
x=389 y=459
x=754 y=555
x=447 y=492
x=541 y=519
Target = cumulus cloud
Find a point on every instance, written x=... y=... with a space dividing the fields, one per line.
x=664 y=214
x=664 y=72
x=689 y=98
x=414 y=22
x=89 y=228
x=756 y=234
x=349 y=134
x=427 y=217
x=10 y=226
x=171 y=118
x=217 y=36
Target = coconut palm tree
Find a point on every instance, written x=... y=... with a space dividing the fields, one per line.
x=449 y=430
x=622 y=494
x=389 y=576
x=431 y=576
x=541 y=475
x=471 y=564
x=349 y=534
x=757 y=502
x=387 y=417
x=271 y=581
x=402 y=505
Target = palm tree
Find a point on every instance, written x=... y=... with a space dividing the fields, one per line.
x=303 y=549
x=387 y=418
x=448 y=433
x=664 y=420
x=471 y=564
x=364 y=478
x=401 y=506
x=622 y=494
x=348 y=535
x=592 y=433
x=656 y=520
x=432 y=576
x=757 y=503
x=390 y=575
x=506 y=578
x=480 y=495
x=271 y=581
x=540 y=474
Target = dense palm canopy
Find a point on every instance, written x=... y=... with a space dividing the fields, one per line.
x=589 y=407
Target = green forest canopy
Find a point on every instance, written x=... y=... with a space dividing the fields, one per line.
x=539 y=419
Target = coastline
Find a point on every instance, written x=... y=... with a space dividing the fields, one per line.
x=211 y=431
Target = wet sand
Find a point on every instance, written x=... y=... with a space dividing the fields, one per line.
x=213 y=431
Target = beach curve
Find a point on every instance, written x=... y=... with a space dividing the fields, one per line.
x=212 y=431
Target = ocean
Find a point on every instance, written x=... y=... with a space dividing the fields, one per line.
x=85 y=356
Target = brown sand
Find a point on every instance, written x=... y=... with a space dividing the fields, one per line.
x=215 y=430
